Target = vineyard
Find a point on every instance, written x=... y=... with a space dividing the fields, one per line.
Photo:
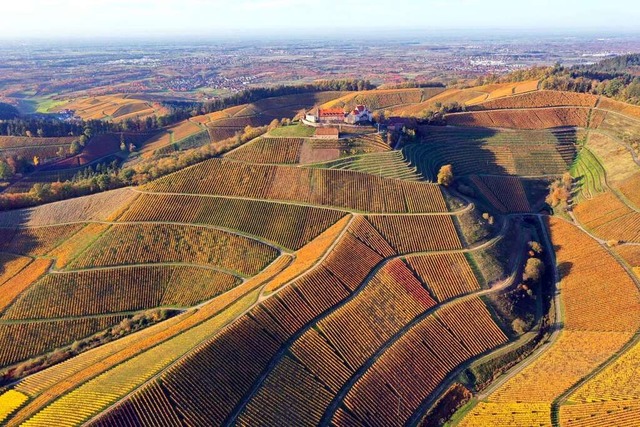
x=384 y=98
x=417 y=233
x=14 y=286
x=297 y=281
x=589 y=174
x=543 y=118
x=291 y=226
x=174 y=134
x=270 y=150
x=35 y=241
x=45 y=148
x=470 y=96
x=337 y=188
x=167 y=243
x=485 y=151
x=318 y=151
x=98 y=207
x=118 y=290
x=505 y=193
x=447 y=276
x=39 y=337
x=308 y=255
x=619 y=107
x=539 y=99
x=609 y=218
x=390 y=164
x=597 y=323
x=614 y=157
x=420 y=360
x=226 y=123
x=11 y=265
x=116 y=107
x=325 y=356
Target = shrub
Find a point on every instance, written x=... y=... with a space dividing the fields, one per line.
x=445 y=176
x=534 y=270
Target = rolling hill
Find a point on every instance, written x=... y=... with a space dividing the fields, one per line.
x=288 y=280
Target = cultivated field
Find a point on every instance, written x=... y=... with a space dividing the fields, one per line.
x=296 y=281
x=596 y=324
x=335 y=188
x=112 y=107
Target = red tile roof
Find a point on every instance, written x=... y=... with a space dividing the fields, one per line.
x=331 y=112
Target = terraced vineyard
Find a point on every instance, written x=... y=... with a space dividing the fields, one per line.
x=487 y=151
x=389 y=164
x=296 y=281
x=589 y=173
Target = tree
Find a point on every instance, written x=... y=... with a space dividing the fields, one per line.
x=61 y=152
x=103 y=182
x=558 y=192
x=5 y=170
x=36 y=160
x=533 y=270
x=535 y=247
x=275 y=123
x=445 y=176
x=41 y=191
x=519 y=326
x=74 y=148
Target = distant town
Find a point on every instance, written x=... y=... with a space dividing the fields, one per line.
x=205 y=70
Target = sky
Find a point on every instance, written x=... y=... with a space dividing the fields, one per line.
x=236 y=18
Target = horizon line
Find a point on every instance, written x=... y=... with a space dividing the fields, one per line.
x=320 y=33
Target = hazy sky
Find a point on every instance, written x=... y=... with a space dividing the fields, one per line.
x=61 y=18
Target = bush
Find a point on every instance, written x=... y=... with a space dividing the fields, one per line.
x=535 y=247
x=445 y=175
x=519 y=326
x=534 y=270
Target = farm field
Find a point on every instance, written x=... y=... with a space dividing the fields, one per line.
x=467 y=96
x=298 y=281
x=493 y=152
x=382 y=99
x=539 y=99
x=591 y=333
x=541 y=118
x=334 y=188
x=112 y=107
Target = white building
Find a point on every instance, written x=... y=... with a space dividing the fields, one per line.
x=359 y=114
